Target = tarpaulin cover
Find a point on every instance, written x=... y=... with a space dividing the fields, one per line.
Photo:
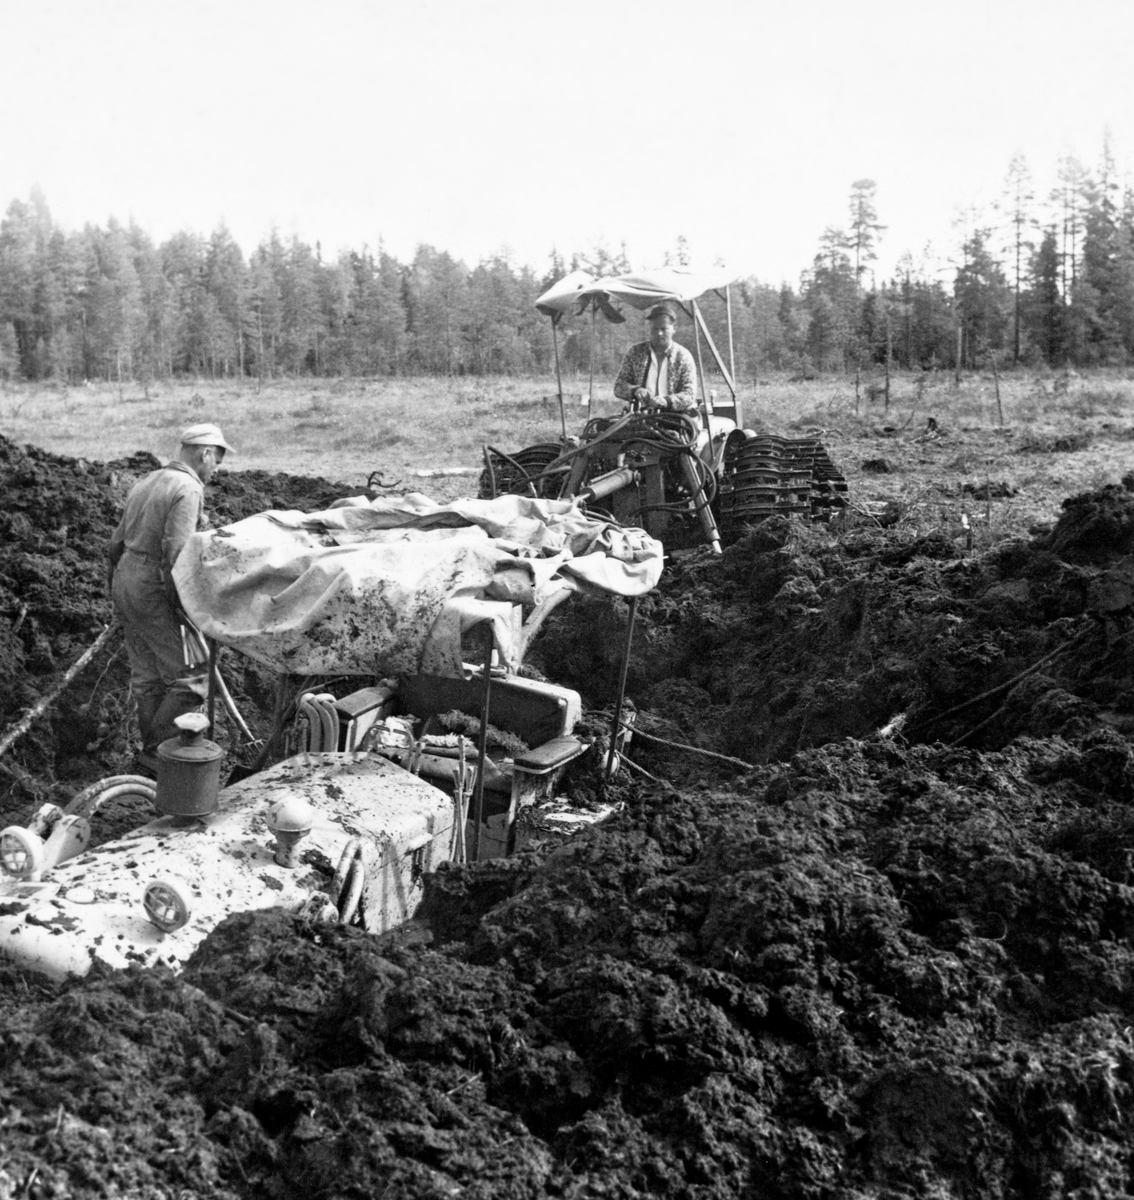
x=385 y=587
x=575 y=292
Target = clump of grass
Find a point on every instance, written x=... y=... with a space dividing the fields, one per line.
x=1050 y=443
x=1111 y=401
x=471 y=396
x=963 y=463
x=381 y=437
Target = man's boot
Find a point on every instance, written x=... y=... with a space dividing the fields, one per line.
x=147 y=704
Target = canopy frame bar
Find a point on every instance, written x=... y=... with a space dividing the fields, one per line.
x=725 y=373
x=558 y=373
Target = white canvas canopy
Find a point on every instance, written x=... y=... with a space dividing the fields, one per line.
x=576 y=292
x=580 y=291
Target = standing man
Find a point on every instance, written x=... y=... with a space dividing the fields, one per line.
x=659 y=373
x=162 y=510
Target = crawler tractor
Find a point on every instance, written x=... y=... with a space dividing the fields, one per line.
x=686 y=480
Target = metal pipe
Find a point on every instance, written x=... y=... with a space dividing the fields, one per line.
x=617 y=722
x=490 y=471
x=91 y=797
x=725 y=375
x=700 y=503
x=305 y=707
x=591 y=385
x=558 y=372
x=212 y=685
x=732 y=359
x=731 y=350
x=701 y=369
x=606 y=485
x=482 y=743
x=112 y=793
x=324 y=704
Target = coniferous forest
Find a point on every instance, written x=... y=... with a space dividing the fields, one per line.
x=1043 y=278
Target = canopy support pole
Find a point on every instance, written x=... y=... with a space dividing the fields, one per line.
x=732 y=356
x=731 y=348
x=482 y=743
x=591 y=385
x=211 y=700
x=558 y=373
x=616 y=724
x=697 y=322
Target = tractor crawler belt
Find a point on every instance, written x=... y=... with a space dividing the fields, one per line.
x=775 y=476
x=521 y=473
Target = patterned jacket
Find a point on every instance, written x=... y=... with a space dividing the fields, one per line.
x=682 y=376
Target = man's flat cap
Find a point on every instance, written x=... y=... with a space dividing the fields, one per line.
x=205 y=435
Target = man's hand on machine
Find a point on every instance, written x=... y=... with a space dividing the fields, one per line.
x=647 y=400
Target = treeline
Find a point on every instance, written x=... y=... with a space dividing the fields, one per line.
x=1040 y=280
x=1047 y=282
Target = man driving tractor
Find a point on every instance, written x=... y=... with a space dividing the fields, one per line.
x=659 y=373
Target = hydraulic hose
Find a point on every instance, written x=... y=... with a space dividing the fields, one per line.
x=556 y=466
x=90 y=799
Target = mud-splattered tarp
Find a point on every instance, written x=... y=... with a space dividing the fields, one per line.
x=386 y=587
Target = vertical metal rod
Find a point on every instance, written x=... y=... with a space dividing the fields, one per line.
x=616 y=724
x=701 y=367
x=482 y=745
x=732 y=360
x=591 y=385
x=212 y=685
x=558 y=373
x=731 y=350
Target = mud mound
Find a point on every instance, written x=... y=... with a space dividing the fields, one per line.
x=1095 y=527
x=799 y=636
x=865 y=965
x=234 y=495
x=872 y=971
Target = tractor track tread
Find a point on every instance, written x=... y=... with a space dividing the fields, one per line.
x=768 y=475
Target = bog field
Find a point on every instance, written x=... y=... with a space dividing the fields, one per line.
x=860 y=928
x=1045 y=437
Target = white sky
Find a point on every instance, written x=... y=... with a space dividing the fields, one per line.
x=475 y=125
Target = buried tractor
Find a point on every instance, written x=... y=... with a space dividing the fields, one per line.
x=686 y=480
x=431 y=748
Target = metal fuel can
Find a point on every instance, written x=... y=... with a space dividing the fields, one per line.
x=188 y=770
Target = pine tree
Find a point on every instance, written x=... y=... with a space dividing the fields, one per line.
x=25 y=233
x=1018 y=196
x=1068 y=197
x=830 y=300
x=1096 y=295
x=226 y=280
x=864 y=229
x=1044 y=308
x=982 y=297
x=265 y=271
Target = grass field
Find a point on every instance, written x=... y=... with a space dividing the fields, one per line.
x=340 y=429
x=1059 y=435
